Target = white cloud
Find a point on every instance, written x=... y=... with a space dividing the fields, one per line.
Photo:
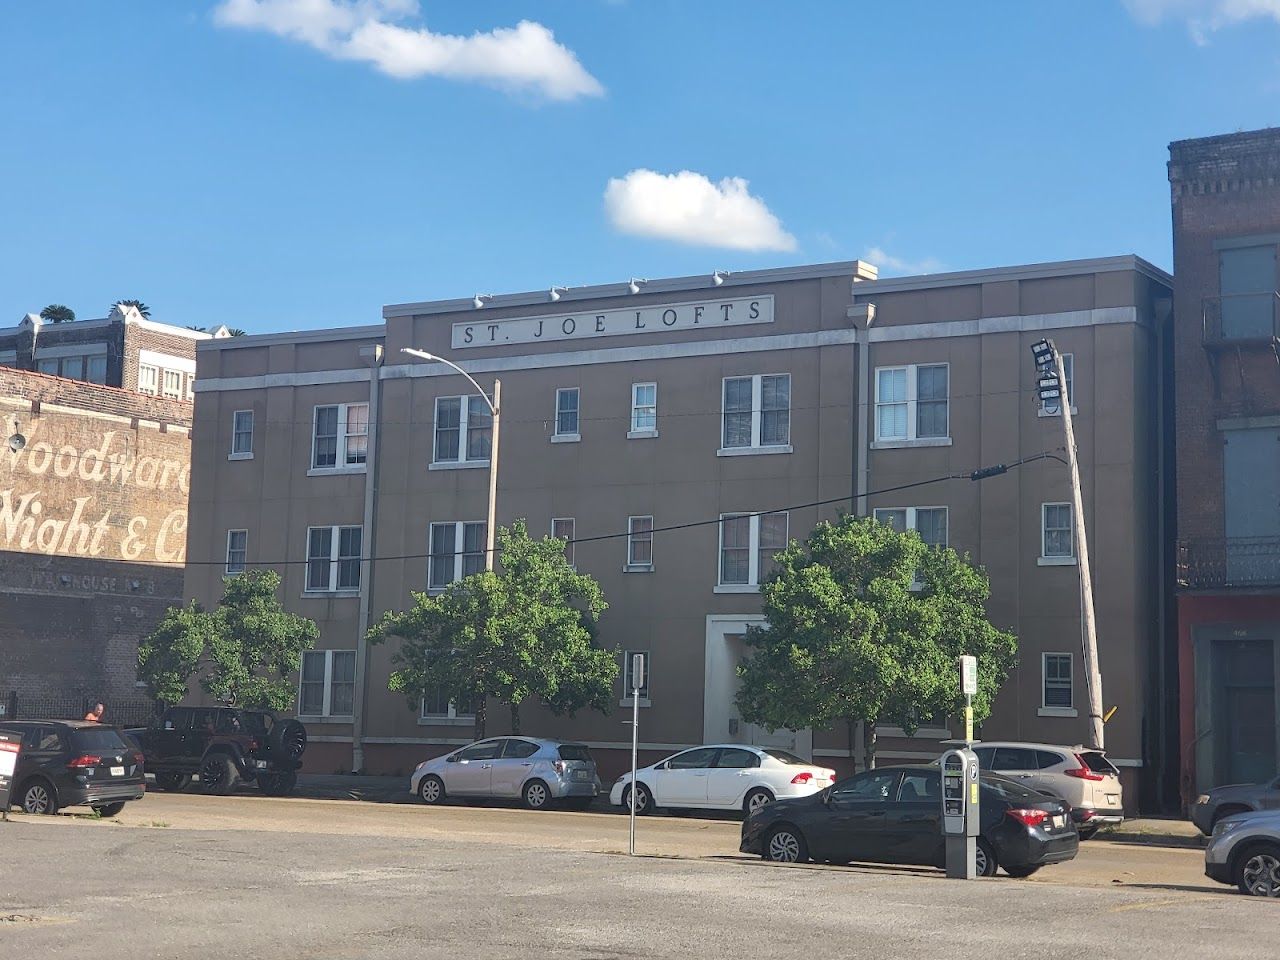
x=689 y=208
x=525 y=57
x=1203 y=16
x=889 y=264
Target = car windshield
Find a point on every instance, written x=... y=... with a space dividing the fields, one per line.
x=788 y=758
x=1098 y=762
x=97 y=740
x=574 y=751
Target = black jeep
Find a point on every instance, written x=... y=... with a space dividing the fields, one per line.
x=223 y=746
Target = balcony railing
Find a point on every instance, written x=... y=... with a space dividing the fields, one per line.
x=1242 y=319
x=1242 y=562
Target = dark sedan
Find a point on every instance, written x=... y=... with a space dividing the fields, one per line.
x=68 y=762
x=893 y=815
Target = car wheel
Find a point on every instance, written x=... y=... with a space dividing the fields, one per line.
x=218 y=775
x=786 y=844
x=38 y=797
x=1258 y=870
x=985 y=859
x=172 y=782
x=537 y=795
x=277 y=784
x=756 y=799
x=110 y=809
x=644 y=800
x=431 y=790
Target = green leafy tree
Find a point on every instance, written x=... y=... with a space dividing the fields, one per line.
x=865 y=624
x=244 y=652
x=527 y=631
x=138 y=305
x=234 y=332
x=57 y=313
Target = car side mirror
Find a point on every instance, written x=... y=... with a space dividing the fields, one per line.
x=452 y=758
x=663 y=766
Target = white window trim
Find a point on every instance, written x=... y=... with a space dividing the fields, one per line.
x=168 y=361
x=1045 y=710
x=151 y=389
x=576 y=436
x=569 y=544
x=451 y=719
x=462 y=463
x=757 y=418
x=325 y=716
x=753 y=558
x=459 y=542
x=912 y=516
x=627 y=700
x=644 y=433
x=1069 y=389
x=340 y=465
x=335 y=545
x=227 y=566
x=1047 y=561
x=630 y=567
x=165 y=374
x=910 y=440
x=246 y=454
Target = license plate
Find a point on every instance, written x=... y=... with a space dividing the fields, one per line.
x=1059 y=822
x=581 y=775
x=260 y=764
x=1113 y=799
x=117 y=771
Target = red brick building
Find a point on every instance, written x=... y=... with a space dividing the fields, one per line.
x=1226 y=232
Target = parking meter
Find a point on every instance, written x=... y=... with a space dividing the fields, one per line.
x=960 y=812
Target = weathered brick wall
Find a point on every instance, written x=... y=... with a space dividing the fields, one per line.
x=138 y=338
x=1221 y=187
x=92 y=531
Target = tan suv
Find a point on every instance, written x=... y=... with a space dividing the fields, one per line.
x=1084 y=778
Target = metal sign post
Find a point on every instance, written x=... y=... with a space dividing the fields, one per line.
x=10 y=747
x=637 y=683
x=969 y=687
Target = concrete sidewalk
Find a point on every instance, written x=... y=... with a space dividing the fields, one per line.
x=1155 y=830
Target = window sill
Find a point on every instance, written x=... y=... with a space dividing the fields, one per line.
x=904 y=444
x=1056 y=561
x=922 y=733
x=735 y=588
x=446 y=721
x=308 y=719
x=240 y=456
x=459 y=465
x=1057 y=712
x=335 y=471
x=322 y=594
x=566 y=438
x=641 y=434
x=638 y=568
x=754 y=451
x=627 y=701
x=1042 y=412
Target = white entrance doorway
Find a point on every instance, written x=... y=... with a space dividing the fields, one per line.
x=721 y=722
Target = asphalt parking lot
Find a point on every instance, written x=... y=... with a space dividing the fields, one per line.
x=193 y=876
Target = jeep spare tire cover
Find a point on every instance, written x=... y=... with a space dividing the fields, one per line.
x=288 y=738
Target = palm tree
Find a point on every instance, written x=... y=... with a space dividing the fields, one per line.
x=234 y=332
x=192 y=326
x=138 y=305
x=57 y=313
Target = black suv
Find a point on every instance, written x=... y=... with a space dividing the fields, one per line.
x=67 y=763
x=223 y=745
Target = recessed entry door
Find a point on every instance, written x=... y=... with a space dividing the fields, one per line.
x=1246 y=698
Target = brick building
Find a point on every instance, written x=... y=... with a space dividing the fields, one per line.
x=93 y=506
x=1226 y=231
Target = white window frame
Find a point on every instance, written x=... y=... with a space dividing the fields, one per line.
x=326 y=713
x=569 y=544
x=638 y=432
x=757 y=417
x=912 y=516
x=631 y=566
x=753 y=551
x=576 y=435
x=1050 y=409
x=459 y=551
x=912 y=401
x=461 y=463
x=149 y=379
x=246 y=454
x=340 y=462
x=1056 y=561
x=646 y=692
x=335 y=547
x=450 y=718
x=1045 y=710
x=244 y=562
x=171 y=384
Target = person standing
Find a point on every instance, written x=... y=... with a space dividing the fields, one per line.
x=95 y=715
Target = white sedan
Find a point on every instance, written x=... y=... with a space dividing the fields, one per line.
x=726 y=776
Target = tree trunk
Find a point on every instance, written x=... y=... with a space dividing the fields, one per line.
x=869 y=743
x=479 y=728
x=515 y=719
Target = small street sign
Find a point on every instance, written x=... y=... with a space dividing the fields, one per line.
x=969 y=676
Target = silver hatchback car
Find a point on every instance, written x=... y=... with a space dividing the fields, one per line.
x=539 y=772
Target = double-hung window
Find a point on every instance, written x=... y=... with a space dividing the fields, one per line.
x=464 y=430
x=340 y=437
x=457 y=551
x=148 y=379
x=1057 y=534
x=242 y=435
x=756 y=414
x=748 y=544
x=172 y=384
x=562 y=527
x=327 y=683
x=1058 y=694
x=567 y=400
x=237 y=550
x=1052 y=408
x=333 y=559
x=929 y=522
x=912 y=404
x=639 y=544
x=629 y=680
x=436 y=707
x=644 y=410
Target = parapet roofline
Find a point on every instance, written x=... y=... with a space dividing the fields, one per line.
x=1029 y=271
x=853 y=269
x=373 y=331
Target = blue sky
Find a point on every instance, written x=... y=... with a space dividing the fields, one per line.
x=256 y=162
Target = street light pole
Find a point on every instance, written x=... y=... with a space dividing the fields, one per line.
x=495 y=408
